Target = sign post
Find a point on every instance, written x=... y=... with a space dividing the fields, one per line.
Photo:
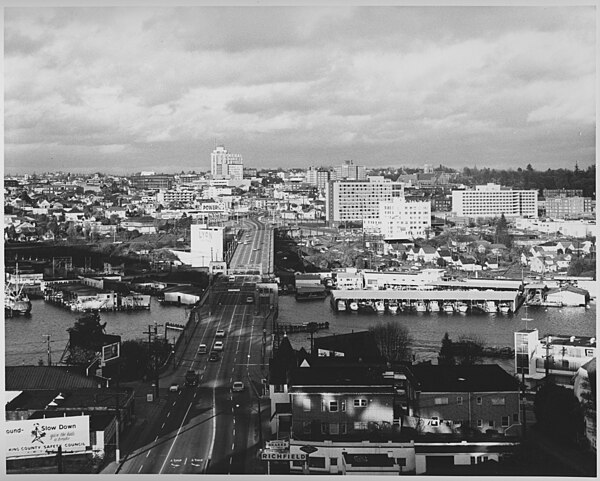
x=308 y=449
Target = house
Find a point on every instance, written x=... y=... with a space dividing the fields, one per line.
x=427 y=254
x=455 y=399
x=354 y=346
x=446 y=255
x=74 y=215
x=349 y=280
x=144 y=225
x=468 y=263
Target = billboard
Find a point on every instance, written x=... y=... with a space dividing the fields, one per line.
x=206 y=245
x=111 y=351
x=34 y=437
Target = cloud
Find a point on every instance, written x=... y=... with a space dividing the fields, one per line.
x=369 y=83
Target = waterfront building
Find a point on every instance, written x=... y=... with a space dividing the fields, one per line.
x=559 y=356
x=354 y=200
x=349 y=171
x=492 y=200
x=224 y=165
x=582 y=388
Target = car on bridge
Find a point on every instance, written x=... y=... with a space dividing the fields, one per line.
x=238 y=386
x=220 y=333
x=218 y=346
x=214 y=356
x=202 y=349
x=250 y=300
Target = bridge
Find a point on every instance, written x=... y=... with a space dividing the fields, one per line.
x=254 y=251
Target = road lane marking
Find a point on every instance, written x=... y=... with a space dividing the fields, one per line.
x=163 y=425
x=169 y=413
x=148 y=453
x=234 y=429
x=140 y=470
x=175 y=438
x=156 y=439
x=232 y=446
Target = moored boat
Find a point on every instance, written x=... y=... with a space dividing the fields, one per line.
x=393 y=307
x=448 y=307
x=366 y=306
x=353 y=306
x=434 y=306
x=462 y=307
x=380 y=306
x=341 y=305
x=421 y=307
x=490 y=306
x=504 y=308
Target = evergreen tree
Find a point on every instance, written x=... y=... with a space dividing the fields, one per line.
x=446 y=357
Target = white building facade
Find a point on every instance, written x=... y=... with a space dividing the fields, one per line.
x=402 y=219
x=492 y=200
x=224 y=165
x=206 y=245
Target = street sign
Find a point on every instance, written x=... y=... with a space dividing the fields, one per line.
x=308 y=449
x=277 y=444
x=276 y=456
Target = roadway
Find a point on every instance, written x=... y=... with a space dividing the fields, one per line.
x=254 y=251
x=208 y=428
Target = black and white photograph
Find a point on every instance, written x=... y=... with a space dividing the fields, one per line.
x=293 y=239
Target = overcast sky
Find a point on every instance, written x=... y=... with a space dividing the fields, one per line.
x=120 y=90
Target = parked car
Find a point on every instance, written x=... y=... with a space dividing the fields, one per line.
x=238 y=386
x=214 y=356
x=218 y=346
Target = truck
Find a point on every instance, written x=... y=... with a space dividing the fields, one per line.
x=191 y=378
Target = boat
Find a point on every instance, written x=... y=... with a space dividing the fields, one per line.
x=341 y=305
x=353 y=306
x=366 y=306
x=490 y=306
x=16 y=302
x=421 y=307
x=462 y=307
x=380 y=306
x=448 y=307
x=504 y=308
x=393 y=307
x=434 y=306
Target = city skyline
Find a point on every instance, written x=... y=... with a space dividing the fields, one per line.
x=130 y=89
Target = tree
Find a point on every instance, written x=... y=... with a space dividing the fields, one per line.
x=393 y=341
x=446 y=357
x=558 y=413
x=468 y=350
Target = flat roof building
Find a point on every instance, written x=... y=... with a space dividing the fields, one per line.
x=493 y=200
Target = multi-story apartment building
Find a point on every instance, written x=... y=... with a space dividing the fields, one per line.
x=446 y=399
x=546 y=193
x=318 y=177
x=558 y=355
x=492 y=200
x=355 y=200
x=152 y=181
x=182 y=196
x=349 y=171
x=568 y=207
x=402 y=219
x=224 y=165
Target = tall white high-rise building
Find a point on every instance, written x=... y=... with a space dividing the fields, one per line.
x=349 y=171
x=492 y=200
x=224 y=165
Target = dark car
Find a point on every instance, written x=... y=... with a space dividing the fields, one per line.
x=214 y=356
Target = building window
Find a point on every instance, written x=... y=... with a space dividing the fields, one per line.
x=360 y=426
x=343 y=405
x=479 y=400
x=480 y=423
x=441 y=400
x=498 y=401
x=565 y=364
x=316 y=462
x=306 y=427
x=505 y=421
x=459 y=400
x=435 y=421
x=278 y=387
x=333 y=461
x=491 y=423
x=333 y=406
x=360 y=403
x=515 y=417
x=324 y=428
x=343 y=429
x=334 y=428
x=306 y=405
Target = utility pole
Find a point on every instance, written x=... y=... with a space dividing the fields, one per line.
x=547 y=360
x=47 y=336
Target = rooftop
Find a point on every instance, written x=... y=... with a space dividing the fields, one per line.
x=477 y=378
